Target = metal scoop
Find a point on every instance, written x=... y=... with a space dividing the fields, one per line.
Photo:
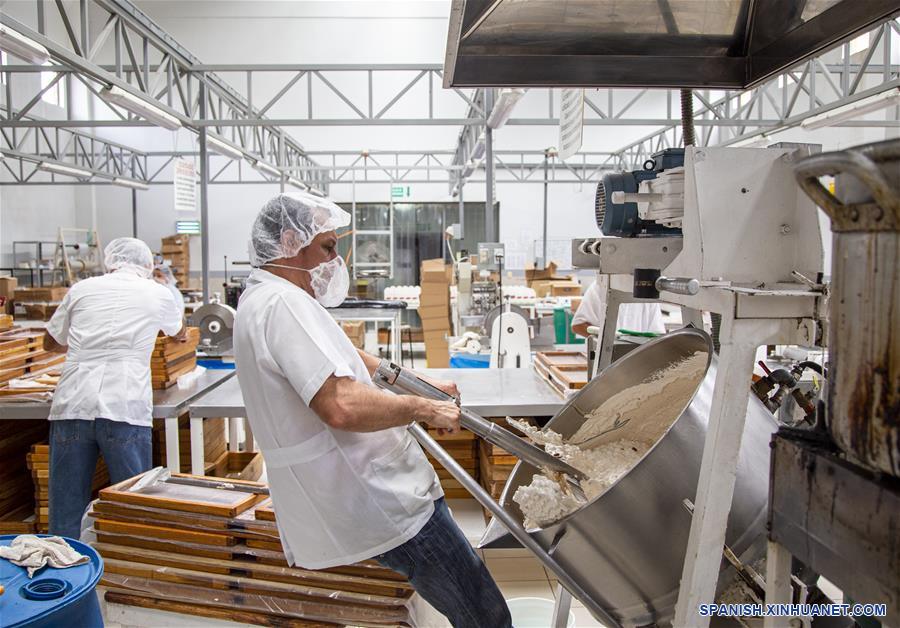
x=392 y=377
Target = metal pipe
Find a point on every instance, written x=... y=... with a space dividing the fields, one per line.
x=546 y=187
x=489 y=231
x=134 y=226
x=396 y=378
x=204 y=198
x=508 y=522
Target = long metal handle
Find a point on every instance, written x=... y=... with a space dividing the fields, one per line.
x=508 y=522
x=679 y=285
x=392 y=376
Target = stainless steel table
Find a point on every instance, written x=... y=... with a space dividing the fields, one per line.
x=489 y=392
x=502 y=392
x=167 y=404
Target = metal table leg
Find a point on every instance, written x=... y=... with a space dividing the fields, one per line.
x=562 y=607
x=233 y=444
x=198 y=455
x=173 y=462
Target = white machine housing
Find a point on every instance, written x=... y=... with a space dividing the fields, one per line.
x=745 y=219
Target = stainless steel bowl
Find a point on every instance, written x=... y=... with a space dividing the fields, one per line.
x=627 y=546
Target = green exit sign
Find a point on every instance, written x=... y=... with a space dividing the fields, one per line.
x=398 y=191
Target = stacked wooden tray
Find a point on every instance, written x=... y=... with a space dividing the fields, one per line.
x=176 y=249
x=17 y=511
x=22 y=355
x=565 y=371
x=214 y=442
x=6 y=322
x=495 y=463
x=211 y=551
x=39 y=464
x=172 y=358
x=463 y=447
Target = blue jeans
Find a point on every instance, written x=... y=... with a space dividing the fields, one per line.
x=74 y=446
x=444 y=569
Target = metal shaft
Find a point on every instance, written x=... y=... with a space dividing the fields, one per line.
x=508 y=522
x=392 y=376
x=678 y=285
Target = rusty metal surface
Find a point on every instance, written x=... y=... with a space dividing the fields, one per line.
x=864 y=319
x=840 y=519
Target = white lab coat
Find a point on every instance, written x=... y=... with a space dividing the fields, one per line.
x=632 y=316
x=339 y=496
x=179 y=298
x=110 y=324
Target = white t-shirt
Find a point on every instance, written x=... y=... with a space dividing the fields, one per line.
x=632 y=316
x=339 y=496
x=110 y=324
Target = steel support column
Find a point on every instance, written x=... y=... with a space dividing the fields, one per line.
x=204 y=198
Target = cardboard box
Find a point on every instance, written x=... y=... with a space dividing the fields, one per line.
x=440 y=311
x=438 y=359
x=436 y=338
x=435 y=270
x=560 y=289
x=8 y=287
x=356 y=332
x=40 y=295
x=176 y=240
x=532 y=273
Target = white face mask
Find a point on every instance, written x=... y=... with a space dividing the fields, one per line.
x=330 y=280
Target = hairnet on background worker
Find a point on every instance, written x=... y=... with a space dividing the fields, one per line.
x=129 y=254
x=286 y=225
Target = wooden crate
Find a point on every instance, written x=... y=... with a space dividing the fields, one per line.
x=172 y=358
x=565 y=371
x=238 y=465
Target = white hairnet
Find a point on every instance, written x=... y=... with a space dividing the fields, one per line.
x=289 y=222
x=129 y=254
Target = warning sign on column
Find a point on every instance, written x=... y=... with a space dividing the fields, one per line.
x=185 y=184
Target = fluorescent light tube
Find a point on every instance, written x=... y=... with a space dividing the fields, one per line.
x=17 y=44
x=131 y=183
x=140 y=107
x=222 y=147
x=317 y=192
x=853 y=110
x=504 y=106
x=261 y=166
x=297 y=183
x=468 y=170
x=70 y=171
x=478 y=149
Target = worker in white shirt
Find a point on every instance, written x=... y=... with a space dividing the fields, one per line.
x=103 y=402
x=348 y=481
x=640 y=317
x=162 y=274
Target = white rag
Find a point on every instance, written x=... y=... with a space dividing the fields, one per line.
x=33 y=553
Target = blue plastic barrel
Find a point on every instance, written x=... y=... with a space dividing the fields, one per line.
x=54 y=597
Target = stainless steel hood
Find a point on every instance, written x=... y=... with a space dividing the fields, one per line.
x=644 y=43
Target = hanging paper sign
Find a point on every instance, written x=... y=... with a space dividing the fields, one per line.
x=184 y=181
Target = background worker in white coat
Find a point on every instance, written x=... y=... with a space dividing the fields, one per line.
x=640 y=317
x=348 y=481
x=103 y=402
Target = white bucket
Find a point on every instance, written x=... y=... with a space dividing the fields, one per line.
x=534 y=612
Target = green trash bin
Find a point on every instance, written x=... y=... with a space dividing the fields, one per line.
x=562 y=326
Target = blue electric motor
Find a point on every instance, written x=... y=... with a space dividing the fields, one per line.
x=621 y=219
